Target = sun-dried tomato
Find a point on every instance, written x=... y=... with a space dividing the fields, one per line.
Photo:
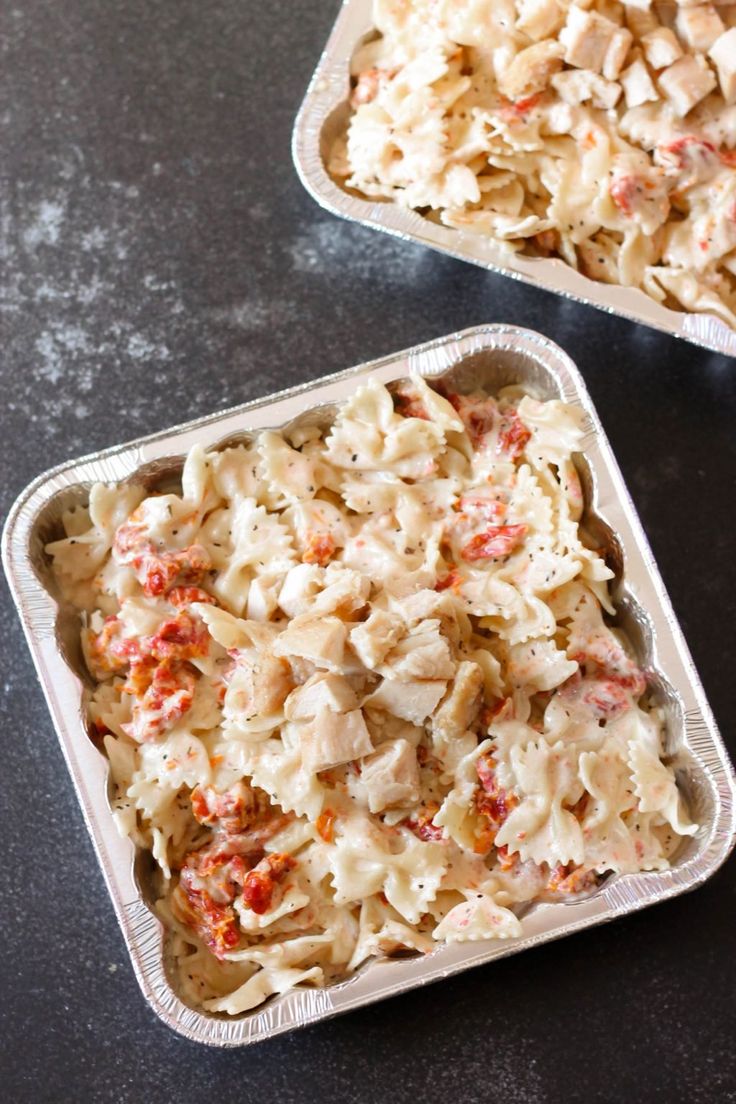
x=513 y=435
x=496 y=542
x=320 y=549
x=182 y=596
x=261 y=881
x=421 y=823
x=325 y=825
x=181 y=637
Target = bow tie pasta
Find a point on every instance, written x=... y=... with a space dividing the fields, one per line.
x=358 y=692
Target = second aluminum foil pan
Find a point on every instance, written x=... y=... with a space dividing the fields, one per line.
x=324 y=115
x=490 y=357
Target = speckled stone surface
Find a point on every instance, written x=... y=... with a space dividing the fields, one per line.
x=160 y=260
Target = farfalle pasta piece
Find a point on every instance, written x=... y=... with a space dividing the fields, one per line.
x=289 y=475
x=479 y=917
x=362 y=864
x=656 y=789
x=369 y=435
x=540 y=828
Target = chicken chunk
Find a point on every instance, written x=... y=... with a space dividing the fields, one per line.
x=423 y=654
x=321 y=640
x=259 y=685
x=687 y=82
x=637 y=85
x=372 y=639
x=460 y=707
x=586 y=37
x=723 y=53
x=616 y=54
x=640 y=21
x=661 y=47
x=575 y=86
x=391 y=776
x=412 y=701
x=320 y=692
x=334 y=738
x=531 y=70
x=539 y=18
x=699 y=27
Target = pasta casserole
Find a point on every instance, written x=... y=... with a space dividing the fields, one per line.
x=599 y=132
x=358 y=691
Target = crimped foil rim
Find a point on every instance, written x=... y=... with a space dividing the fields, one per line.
x=143 y=932
x=328 y=90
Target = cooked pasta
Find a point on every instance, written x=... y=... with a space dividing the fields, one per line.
x=358 y=692
x=600 y=132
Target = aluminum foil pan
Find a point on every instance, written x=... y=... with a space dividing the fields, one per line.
x=487 y=356
x=324 y=115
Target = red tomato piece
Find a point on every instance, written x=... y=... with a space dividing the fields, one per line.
x=495 y=543
x=182 y=596
x=320 y=549
x=513 y=435
x=421 y=823
x=182 y=637
x=261 y=881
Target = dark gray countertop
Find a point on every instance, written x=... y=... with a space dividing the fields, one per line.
x=160 y=260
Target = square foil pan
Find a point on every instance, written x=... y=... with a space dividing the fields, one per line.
x=324 y=115
x=491 y=356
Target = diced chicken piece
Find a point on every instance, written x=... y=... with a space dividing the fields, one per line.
x=539 y=18
x=258 y=686
x=637 y=84
x=617 y=52
x=376 y=636
x=334 y=738
x=723 y=53
x=424 y=654
x=460 y=707
x=661 y=47
x=575 y=86
x=611 y=9
x=420 y=605
x=531 y=70
x=687 y=82
x=699 y=27
x=640 y=21
x=320 y=692
x=391 y=776
x=586 y=37
x=384 y=726
x=321 y=640
x=412 y=701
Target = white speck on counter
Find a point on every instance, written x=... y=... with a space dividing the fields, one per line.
x=140 y=348
x=250 y=315
x=54 y=346
x=46 y=226
x=93 y=239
